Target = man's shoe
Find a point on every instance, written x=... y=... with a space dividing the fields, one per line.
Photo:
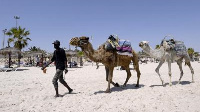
x=70 y=91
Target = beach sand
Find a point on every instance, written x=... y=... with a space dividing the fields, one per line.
x=30 y=90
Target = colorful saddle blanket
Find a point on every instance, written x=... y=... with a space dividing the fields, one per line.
x=123 y=47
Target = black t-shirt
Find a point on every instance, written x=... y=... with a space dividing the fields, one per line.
x=59 y=57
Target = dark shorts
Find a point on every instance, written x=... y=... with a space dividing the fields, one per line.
x=58 y=75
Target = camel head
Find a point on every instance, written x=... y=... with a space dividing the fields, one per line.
x=144 y=44
x=79 y=41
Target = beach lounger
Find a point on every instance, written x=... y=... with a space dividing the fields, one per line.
x=5 y=69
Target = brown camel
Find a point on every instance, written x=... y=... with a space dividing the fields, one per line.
x=109 y=59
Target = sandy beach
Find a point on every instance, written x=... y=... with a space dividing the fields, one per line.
x=30 y=90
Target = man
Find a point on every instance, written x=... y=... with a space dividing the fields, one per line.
x=37 y=60
x=59 y=57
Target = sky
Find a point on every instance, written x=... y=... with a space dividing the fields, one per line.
x=134 y=20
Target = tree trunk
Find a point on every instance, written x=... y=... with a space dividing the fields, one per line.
x=81 y=61
x=18 y=61
x=9 y=60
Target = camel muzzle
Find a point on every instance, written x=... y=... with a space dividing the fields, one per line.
x=140 y=44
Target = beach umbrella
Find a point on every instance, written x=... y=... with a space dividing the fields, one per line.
x=33 y=53
x=10 y=51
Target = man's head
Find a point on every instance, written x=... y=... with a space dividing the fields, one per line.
x=56 y=44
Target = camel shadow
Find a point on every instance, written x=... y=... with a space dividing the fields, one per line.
x=121 y=88
x=173 y=83
x=124 y=69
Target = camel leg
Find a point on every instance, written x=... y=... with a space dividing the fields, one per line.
x=128 y=75
x=136 y=67
x=187 y=61
x=107 y=74
x=110 y=75
x=169 y=71
x=179 y=62
x=158 y=68
x=138 y=73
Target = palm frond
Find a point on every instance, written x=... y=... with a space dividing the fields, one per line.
x=19 y=37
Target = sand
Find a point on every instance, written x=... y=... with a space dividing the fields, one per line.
x=30 y=90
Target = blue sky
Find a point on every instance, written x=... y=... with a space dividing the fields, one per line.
x=135 y=20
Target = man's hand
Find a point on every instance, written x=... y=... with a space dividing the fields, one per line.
x=66 y=70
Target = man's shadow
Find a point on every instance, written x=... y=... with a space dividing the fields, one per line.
x=121 y=88
x=67 y=93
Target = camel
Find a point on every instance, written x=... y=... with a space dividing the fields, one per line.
x=170 y=55
x=109 y=59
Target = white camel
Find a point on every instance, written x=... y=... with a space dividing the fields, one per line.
x=165 y=53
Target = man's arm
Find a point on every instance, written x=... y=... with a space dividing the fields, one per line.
x=50 y=61
x=46 y=65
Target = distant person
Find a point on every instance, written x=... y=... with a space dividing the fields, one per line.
x=37 y=60
x=60 y=59
x=70 y=64
x=75 y=64
x=97 y=64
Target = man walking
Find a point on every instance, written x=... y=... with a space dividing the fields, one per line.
x=59 y=57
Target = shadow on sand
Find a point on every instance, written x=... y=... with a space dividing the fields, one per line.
x=20 y=69
x=173 y=83
x=69 y=93
x=121 y=88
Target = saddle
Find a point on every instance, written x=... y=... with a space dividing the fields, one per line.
x=170 y=44
x=177 y=46
x=180 y=48
x=123 y=47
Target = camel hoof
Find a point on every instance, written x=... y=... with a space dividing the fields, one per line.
x=108 y=91
x=124 y=85
x=117 y=85
x=163 y=83
x=137 y=85
x=192 y=81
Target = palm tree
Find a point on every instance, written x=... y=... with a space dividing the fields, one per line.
x=19 y=37
x=157 y=46
x=191 y=53
x=34 y=48
x=196 y=54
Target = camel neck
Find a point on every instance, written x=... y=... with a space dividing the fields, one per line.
x=91 y=53
x=155 y=53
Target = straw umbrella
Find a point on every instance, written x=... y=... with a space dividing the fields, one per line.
x=10 y=51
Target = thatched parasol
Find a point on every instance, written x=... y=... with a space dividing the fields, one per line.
x=10 y=51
